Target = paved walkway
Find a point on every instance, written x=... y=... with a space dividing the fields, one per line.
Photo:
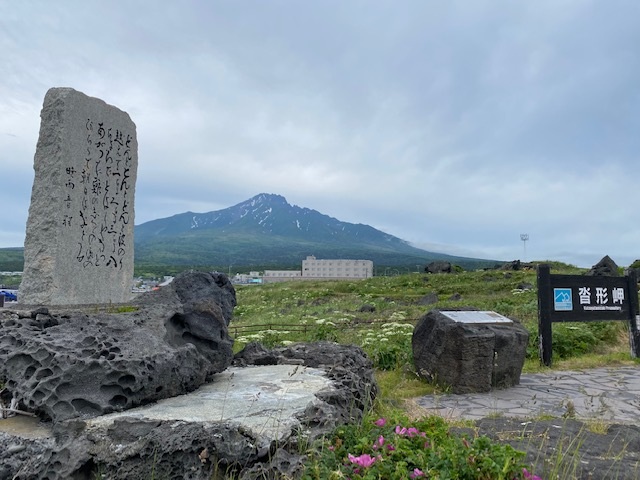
x=611 y=394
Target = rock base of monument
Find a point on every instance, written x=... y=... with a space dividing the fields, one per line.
x=73 y=363
x=253 y=422
x=469 y=357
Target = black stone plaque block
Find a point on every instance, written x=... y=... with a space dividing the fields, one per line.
x=469 y=356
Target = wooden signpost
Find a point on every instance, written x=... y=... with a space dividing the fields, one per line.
x=581 y=298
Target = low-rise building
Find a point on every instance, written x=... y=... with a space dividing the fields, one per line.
x=242 y=278
x=339 y=268
x=271 y=276
x=323 y=269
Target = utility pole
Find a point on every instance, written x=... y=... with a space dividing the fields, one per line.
x=524 y=237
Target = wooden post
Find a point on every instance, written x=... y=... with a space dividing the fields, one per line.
x=544 y=313
x=634 y=334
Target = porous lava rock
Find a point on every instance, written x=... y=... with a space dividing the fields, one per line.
x=65 y=364
x=516 y=265
x=606 y=267
x=468 y=357
x=139 y=448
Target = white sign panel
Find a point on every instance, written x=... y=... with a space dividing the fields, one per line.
x=476 y=317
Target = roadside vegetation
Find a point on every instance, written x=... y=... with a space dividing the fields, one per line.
x=378 y=314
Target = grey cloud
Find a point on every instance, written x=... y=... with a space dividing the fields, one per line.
x=448 y=123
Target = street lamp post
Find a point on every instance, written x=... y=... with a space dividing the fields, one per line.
x=524 y=237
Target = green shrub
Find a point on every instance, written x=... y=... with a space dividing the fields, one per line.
x=574 y=339
x=325 y=330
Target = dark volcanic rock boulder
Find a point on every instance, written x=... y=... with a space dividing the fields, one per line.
x=132 y=449
x=137 y=447
x=468 y=357
x=429 y=299
x=255 y=354
x=367 y=308
x=605 y=267
x=68 y=364
x=439 y=267
x=16 y=452
x=516 y=265
x=524 y=286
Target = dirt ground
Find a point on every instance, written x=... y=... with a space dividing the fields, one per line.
x=568 y=449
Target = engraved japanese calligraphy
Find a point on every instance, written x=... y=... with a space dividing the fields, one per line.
x=104 y=189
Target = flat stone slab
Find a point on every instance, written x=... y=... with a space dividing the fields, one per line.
x=264 y=400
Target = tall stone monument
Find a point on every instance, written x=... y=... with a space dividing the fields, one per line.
x=79 y=242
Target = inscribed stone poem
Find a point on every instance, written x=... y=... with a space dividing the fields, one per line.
x=79 y=242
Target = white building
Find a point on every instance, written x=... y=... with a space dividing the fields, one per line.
x=339 y=268
x=314 y=269
x=253 y=277
x=286 y=274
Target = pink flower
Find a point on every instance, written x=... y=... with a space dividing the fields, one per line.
x=379 y=443
x=331 y=448
x=365 y=460
x=381 y=422
x=400 y=430
x=530 y=476
x=412 y=431
x=416 y=473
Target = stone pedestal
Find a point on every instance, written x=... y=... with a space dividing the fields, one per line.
x=467 y=353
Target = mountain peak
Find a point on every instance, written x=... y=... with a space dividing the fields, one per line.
x=266 y=229
x=266 y=199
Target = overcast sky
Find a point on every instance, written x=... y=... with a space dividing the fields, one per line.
x=455 y=125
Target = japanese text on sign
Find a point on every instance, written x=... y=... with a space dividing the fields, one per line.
x=590 y=298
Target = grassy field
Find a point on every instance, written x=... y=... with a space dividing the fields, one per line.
x=379 y=314
x=366 y=312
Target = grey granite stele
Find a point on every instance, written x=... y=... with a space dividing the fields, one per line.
x=79 y=241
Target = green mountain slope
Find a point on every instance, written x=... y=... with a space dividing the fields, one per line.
x=266 y=230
